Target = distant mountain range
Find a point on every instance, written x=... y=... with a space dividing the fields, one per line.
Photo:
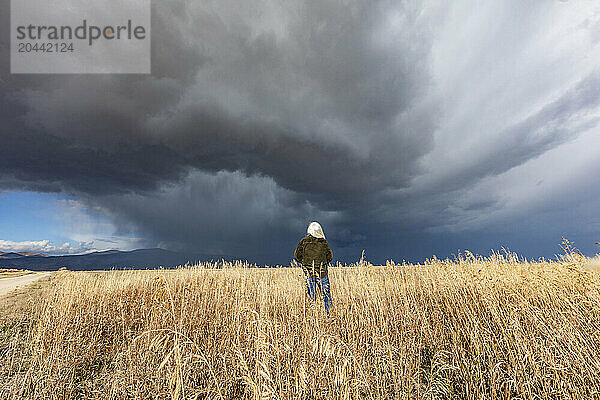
x=109 y=259
x=19 y=254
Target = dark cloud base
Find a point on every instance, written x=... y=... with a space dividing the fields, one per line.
x=260 y=118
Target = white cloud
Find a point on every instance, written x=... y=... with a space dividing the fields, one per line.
x=45 y=246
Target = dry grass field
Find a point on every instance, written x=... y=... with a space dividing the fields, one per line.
x=11 y=273
x=471 y=328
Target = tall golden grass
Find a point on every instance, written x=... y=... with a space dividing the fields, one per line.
x=471 y=328
x=12 y=273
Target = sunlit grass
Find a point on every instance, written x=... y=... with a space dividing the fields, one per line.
x=12 y=273
x=472 y=327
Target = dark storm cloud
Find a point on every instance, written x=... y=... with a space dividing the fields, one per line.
x=311 y=96
x=258 y=117
x=48 y=163
x=262 y=102
x=252 y=212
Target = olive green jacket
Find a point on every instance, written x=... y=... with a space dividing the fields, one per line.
x=314 y=254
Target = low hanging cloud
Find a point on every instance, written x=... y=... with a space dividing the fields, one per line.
x=44 y=247
x=383 y=120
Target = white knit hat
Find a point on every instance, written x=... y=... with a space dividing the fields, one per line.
x=315 y=230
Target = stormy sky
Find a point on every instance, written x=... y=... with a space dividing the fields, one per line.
x=406 y=128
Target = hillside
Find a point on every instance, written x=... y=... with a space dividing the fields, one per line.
x=20 y=254
x=110 y=259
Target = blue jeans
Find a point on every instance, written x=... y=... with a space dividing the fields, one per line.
x=323 y=285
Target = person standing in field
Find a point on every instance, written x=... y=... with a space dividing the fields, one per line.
x=314 y=254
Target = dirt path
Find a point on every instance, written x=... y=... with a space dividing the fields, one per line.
x=8 y=284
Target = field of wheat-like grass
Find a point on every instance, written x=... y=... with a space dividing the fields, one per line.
x=471 y=328
x=12 y=273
